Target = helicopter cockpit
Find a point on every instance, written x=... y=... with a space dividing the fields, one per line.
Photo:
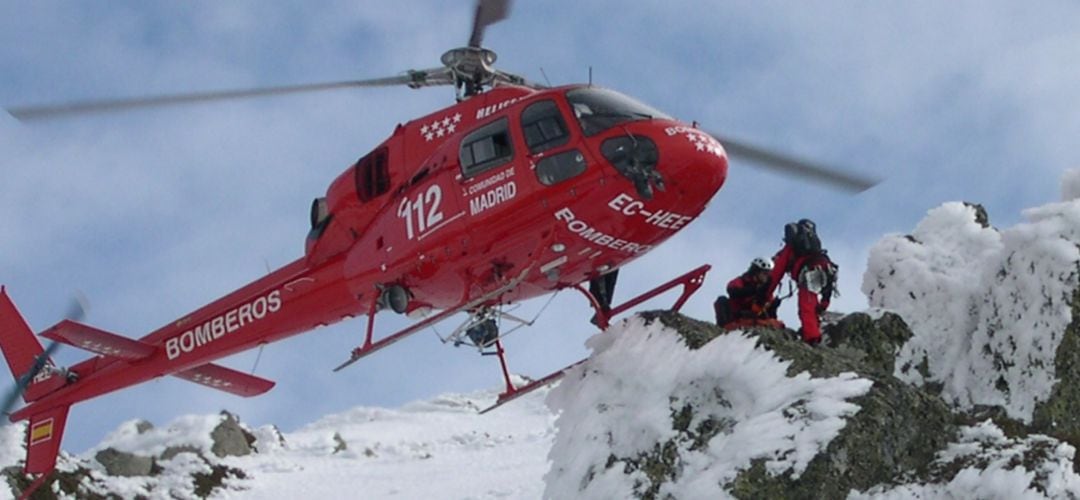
x=634 y=156
x=598 y=109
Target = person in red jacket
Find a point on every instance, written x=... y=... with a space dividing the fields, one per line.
x=809 y=266
x=746 y=298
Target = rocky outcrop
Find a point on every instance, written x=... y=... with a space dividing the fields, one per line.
x=897 y=430
x=971 y=382
x=1059 y=415
x=904 y=439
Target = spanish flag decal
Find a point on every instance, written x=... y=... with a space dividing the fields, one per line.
x=41 y=432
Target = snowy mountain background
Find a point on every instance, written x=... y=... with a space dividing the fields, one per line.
x=432 y=449
x=955 y=385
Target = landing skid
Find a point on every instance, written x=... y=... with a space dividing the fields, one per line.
x=509 y=396
x=690 y=281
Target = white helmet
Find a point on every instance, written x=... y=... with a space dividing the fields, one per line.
x=761 y=264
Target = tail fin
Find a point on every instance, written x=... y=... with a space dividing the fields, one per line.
x=25 y=356
x=20 y=347
x=43 y=439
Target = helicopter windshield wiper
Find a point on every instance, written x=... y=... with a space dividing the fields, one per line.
x=597 y=122
x=621 y=114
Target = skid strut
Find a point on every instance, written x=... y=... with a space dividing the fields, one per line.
x=690 y=281
x=370 y=345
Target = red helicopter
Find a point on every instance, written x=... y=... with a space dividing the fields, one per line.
x=517 y=190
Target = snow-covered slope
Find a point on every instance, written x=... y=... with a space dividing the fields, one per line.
x=435 y=449
x=440 y=448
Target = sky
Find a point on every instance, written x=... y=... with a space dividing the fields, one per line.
x=153 y=214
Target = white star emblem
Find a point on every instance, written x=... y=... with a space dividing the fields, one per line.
x=446 y=122
x=451 y=128
x=457 y=117
x=440 y=132
x=429 y=136
x=424 y=129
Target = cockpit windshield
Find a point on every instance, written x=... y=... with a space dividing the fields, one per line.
x=599 y=109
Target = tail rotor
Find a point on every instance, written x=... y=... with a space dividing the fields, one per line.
x=40 y=362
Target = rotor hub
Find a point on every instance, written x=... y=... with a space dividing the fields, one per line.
x=471 y=64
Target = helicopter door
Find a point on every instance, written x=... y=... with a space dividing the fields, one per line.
x=489 y=173
x=547 y=136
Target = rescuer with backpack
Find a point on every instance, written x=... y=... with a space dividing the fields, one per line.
x=809 y=266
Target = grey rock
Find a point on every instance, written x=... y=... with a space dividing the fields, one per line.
x=121 y=463
x=172 y=451
x=142 y=426
x=230 y=439
x=339 y=444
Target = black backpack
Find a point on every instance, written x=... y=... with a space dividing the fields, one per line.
x=802 y=236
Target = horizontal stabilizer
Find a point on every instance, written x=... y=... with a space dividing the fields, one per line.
x=226 y=379
x=98 y=341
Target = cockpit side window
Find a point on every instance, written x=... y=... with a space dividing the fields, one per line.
x=372 y=175
x=485 y=148
x=543 y=126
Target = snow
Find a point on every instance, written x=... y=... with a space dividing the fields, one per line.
x=436 y=449
x=11 y=444
x=432 y=449
x=988 y=307
x=612 y=406
x=188 y=430
x=1000 y=474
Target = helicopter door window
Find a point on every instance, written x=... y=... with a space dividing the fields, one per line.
x=560 y=167
x=485 y=148
x=543 y=126
x=372 y=175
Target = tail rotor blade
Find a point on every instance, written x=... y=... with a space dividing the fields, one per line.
x=789 y=165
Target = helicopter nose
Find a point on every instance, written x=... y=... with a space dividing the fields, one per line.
x=698 y=158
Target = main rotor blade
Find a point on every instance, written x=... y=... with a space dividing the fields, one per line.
x=488 y=12
x=788 y=165
x=46 y=112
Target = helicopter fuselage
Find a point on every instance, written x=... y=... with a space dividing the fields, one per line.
x=508 y=195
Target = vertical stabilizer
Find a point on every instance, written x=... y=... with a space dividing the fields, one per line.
x=20 y=347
